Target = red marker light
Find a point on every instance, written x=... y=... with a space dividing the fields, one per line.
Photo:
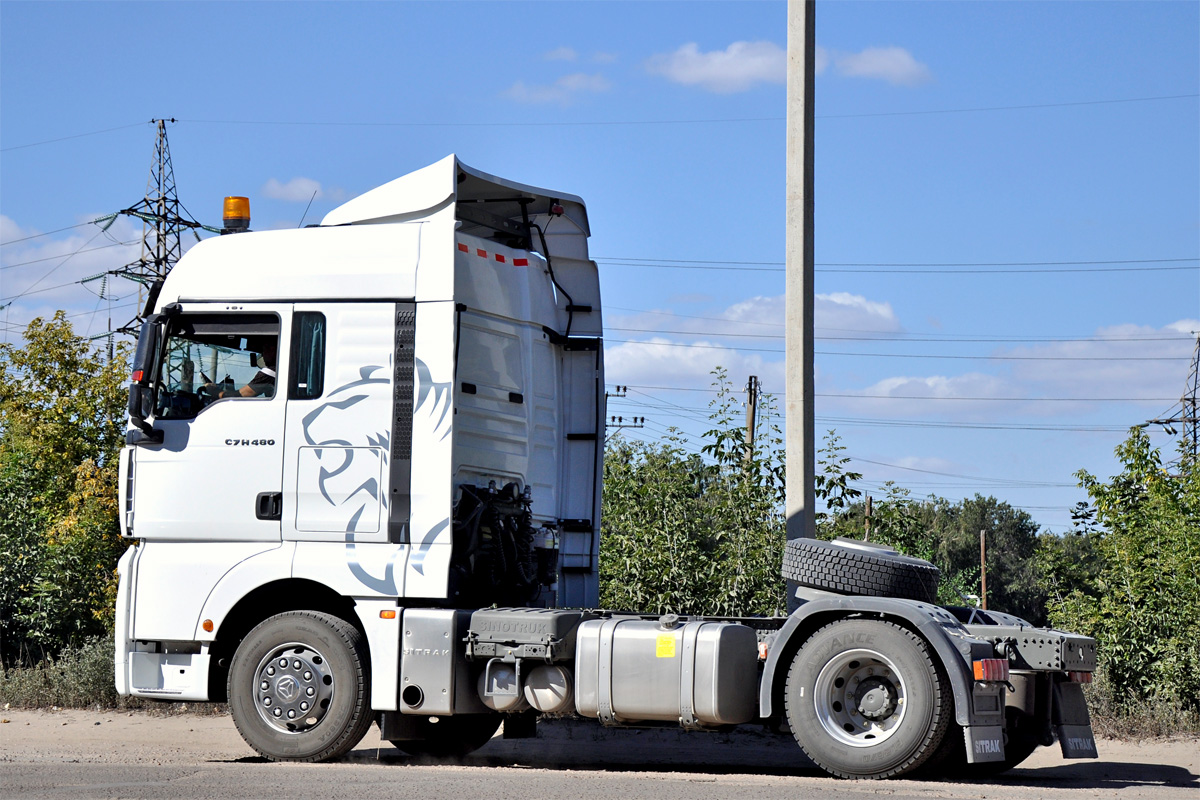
x=991 y=669
x=138 y=375
x=557 y=210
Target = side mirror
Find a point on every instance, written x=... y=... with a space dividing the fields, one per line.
x=141 y=386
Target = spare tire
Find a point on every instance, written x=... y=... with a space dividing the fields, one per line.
x=850 y=566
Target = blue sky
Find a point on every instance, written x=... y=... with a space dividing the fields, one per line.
x=949 y=136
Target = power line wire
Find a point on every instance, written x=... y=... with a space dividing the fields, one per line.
x=1009 y=108
x=77 y=252
x=700 y=414
x=740 y=349
x=898 y=263
x=47 y=233
x=610 y=123
x=902 y=270
x=966 y=477
x=38 y=291
x=890 y=336
x=19 y=326
x=901 y=355
x=73 y=136
x=52 y=270
x=930 y=397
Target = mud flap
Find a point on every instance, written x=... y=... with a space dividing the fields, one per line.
x=1074 y=724
x=984 y=743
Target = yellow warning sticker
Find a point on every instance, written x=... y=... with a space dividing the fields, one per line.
x=665 y=646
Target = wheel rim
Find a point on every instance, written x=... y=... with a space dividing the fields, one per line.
x=293 y=687
x=860 y=698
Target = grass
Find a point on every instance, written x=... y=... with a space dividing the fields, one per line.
x=81 y=676
x=1135 y=718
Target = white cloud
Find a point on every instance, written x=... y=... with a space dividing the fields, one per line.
x=604 y=58
x=668 y=349
x=297 y=190
x=10 y=230
x=892 y=64
x=561 y=54
x=562 y=92
x=737 y=68
x=43 y=275
x=660 y=361
x=839 y=311
x=744 y=65
x=1121 y=361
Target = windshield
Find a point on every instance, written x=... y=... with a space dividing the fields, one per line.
x=213 y=357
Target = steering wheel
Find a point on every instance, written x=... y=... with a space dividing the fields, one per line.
x=208 y=393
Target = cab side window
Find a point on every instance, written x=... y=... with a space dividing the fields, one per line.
x=307 y=369
x=210 y=357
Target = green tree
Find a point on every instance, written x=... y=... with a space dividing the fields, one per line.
x=1013 y=581
x=690 y=532
x=61 y=426
x=833 y=483
x=1141 y=605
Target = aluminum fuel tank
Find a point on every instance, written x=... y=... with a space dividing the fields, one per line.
x=696 y=673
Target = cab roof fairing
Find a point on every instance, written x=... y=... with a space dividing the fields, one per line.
x=426 y=190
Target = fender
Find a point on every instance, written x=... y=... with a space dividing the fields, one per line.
x=951 y=642
x=383 y=635
x=241 y=579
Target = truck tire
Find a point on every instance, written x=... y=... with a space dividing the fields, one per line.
x=451 y=737
x=299 y=687
x=865 y=699
x=848 y=566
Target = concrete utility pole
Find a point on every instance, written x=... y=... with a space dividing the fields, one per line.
x=800 y=443
x=751 y=413
x=983 y=568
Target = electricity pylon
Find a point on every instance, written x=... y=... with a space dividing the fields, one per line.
x=163 y=221
x=1187 y=412
x=1188 y=417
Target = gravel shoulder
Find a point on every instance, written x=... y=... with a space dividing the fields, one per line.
x=59 y=754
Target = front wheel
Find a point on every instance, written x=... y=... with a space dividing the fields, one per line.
x=865 y=699
x=298 y=687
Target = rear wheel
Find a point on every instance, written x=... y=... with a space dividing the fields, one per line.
x=864 y=699
x=298 y=687
x=453 y=736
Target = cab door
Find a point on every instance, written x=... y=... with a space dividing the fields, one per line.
x=217 y=475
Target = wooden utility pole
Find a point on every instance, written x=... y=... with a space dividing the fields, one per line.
x=982 y=571
x=751 y=410
x=867 y=537
x=800 y=503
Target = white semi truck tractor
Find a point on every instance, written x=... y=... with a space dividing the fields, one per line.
x=363 y=472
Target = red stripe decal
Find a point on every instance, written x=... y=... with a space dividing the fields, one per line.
x=520 y=262
x=481 y=253
x=463 y=248
x=500 y=258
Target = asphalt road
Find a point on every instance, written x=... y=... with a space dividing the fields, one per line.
x=78 y=754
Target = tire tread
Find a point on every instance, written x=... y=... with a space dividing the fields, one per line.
x=361 y=719
x=837 y=568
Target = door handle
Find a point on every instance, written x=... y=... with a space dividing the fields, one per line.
x=269 y=505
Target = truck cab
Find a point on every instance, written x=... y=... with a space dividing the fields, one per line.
x=405 y=402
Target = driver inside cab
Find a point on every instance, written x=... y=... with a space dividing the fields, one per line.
x=263 y=382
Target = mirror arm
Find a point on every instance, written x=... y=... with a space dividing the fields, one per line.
x=143 y=434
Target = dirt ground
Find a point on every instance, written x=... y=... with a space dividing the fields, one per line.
x=78 y=754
